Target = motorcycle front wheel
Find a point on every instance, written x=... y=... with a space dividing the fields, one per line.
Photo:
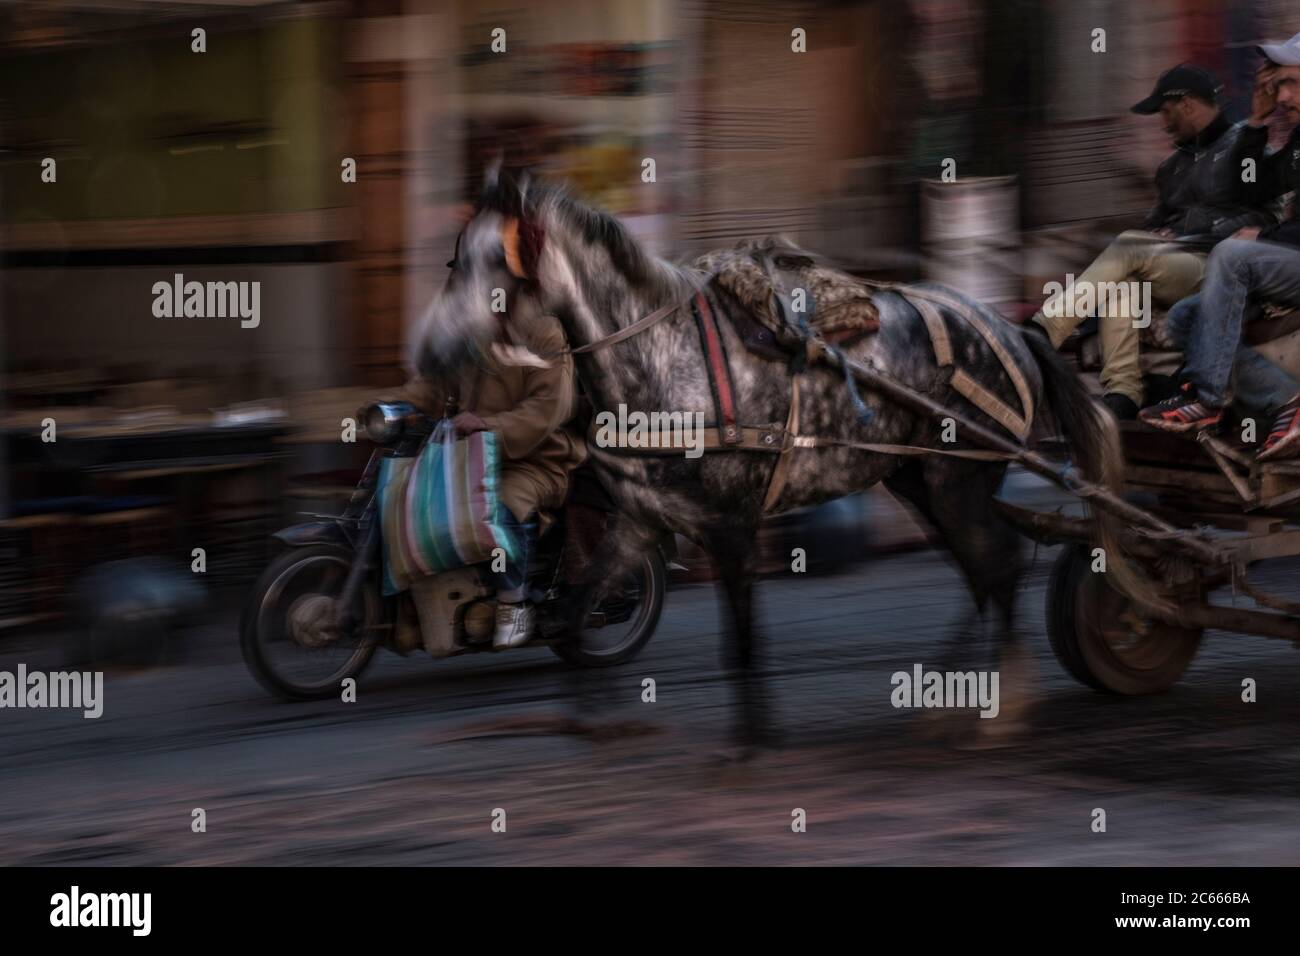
x=290 y=632
x=622 y=621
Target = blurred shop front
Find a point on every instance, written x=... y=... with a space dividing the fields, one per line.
x=229 y=166
x=131 y=431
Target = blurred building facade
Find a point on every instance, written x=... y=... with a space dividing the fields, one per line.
x=229 y=160
x=213 y=140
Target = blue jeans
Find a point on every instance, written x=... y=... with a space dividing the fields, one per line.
x=512 y=583
x=1239 y=275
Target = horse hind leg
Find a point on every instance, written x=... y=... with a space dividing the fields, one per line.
x=956 y=496
x=991 y=554
x=909 y=483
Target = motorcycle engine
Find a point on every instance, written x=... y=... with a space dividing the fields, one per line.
x=480 y=621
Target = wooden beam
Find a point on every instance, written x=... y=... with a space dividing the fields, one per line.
x=1220 y=457
x=1241 y=620
x=1095 y=494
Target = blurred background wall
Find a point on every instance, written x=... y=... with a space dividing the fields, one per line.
x=170 y=159
x=226 y=165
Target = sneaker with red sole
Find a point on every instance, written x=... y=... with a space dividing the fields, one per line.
x=1183 y=412
x=1284 y=439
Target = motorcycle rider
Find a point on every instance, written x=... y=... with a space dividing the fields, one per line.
x=526 y=400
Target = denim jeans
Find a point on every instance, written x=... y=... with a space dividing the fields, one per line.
x=1241 y=273
x=1172 y=271
x=1257 y=383
x=512 y=583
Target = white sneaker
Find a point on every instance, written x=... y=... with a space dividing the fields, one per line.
x=514 y=625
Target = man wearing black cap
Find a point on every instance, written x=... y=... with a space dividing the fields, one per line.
x=1257 y=266
x=1201 y=201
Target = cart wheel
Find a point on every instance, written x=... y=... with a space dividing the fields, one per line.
x=1102 y=641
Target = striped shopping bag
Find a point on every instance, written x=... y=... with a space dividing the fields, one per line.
x=442 y=509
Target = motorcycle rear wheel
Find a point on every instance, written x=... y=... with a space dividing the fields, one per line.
x=285 y=618
x=648 y=582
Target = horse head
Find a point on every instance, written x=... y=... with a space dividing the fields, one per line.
x=494 y=261
x=578 y=263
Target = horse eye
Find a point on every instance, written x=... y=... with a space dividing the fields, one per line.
x=451 y=263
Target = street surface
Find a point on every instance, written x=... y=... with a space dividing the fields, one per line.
x=412 y=772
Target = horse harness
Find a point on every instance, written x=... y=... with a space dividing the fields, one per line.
x=727 y=434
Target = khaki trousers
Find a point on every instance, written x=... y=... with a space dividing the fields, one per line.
x=1173 y=273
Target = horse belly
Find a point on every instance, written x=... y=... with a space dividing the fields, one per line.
x=823 y=474
x=827 y=415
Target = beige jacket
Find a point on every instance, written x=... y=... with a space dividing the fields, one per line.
x=526 y=406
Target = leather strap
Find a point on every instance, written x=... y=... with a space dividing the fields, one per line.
x=774 y=439
x=923 y=301
x=989 y=404
x=780 y=473
x=715 y=360
x=510 y=240
x=637 y=327
x=938 y=331
x=1017 y=425
x=523 y=246
x=762 y=438
x=884 y=448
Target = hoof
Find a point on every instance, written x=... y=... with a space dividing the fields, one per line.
x=993 y=734
x=760 y=737
x=938 y=726
x=619 y=730
x=733 y=757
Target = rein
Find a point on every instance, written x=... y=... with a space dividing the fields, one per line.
x=627 y=332
x=636 y=328
x=531 y=250
x=523 y=242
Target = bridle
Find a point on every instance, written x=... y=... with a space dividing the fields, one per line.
x=523 y=241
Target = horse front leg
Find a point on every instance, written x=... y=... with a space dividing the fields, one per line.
x=736 y=561
x=594 y=692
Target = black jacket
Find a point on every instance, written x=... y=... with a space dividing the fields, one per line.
x=1200 y=187
x=1277 y=174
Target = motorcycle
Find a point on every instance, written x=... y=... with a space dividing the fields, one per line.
x=318 y=613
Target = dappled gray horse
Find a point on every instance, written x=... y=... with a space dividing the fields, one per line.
x=589 y=272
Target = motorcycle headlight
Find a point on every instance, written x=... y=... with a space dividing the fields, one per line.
x=382 y=422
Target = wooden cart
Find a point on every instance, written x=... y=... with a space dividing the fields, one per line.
x=1210 y=492
x=1198 y=512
